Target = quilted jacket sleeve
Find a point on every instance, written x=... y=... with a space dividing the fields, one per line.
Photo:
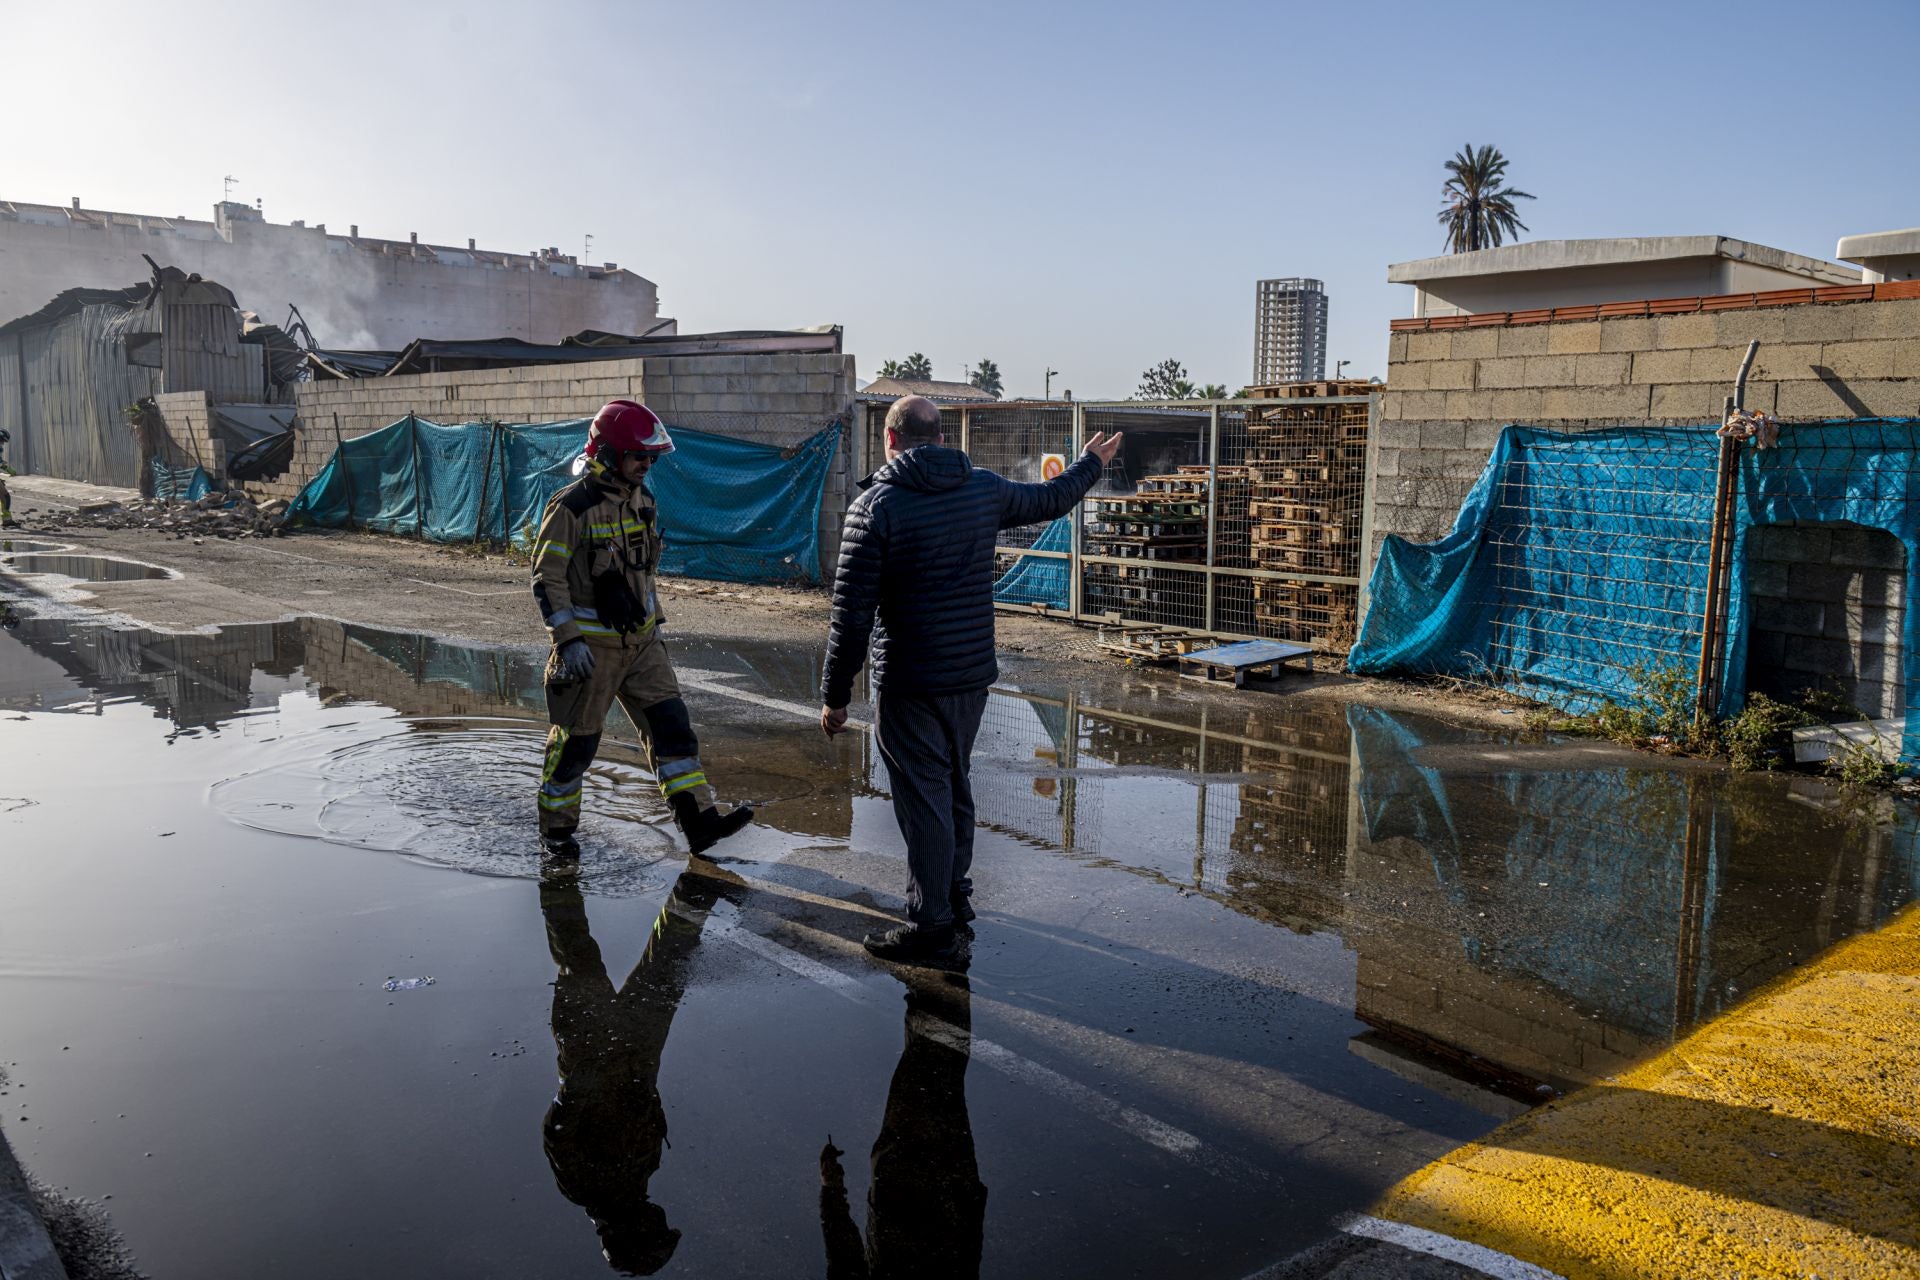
x=856 y=595
x=1032 y=503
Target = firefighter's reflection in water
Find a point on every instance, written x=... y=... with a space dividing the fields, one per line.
x=926 y=1205
x=606 y=1127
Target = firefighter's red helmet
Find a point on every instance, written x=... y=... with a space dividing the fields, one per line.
x=627 y=426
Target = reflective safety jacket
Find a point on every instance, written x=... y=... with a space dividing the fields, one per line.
x=591 y=528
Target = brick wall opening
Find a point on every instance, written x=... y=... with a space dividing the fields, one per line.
x=1828 y=602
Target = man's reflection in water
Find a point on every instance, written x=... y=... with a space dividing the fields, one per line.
x=926 y=1205
x=606 y=1126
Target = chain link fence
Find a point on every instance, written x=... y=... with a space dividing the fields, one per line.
x=1241 y=519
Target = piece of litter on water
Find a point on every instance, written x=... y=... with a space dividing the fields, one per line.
x=406 y=984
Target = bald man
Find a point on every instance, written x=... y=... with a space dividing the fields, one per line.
x=915 y=579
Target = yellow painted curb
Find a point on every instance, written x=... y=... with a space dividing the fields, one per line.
x=1780 y=1140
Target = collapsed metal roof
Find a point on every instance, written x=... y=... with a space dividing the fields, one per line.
x=430 y=355
x=177 y=286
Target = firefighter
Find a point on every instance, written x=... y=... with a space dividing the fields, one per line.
x=594 y=563
x=6 y=499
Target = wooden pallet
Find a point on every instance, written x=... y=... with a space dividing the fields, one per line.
x=1282 y=510
x=1335 y=560
x=1149 y=505
x=1183 y=551
x=1151 y=644
x=1179 y=529
x=1277 y=591
x=1301 y=535
x=1323 y=387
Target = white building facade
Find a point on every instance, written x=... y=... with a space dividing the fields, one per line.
x=1289 y=331
x=354 y=292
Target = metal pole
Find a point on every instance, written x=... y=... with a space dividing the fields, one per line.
x=1368 y=489
x=25 y=456
x=1073 y=565
x=1213 y=507
x=966 y=431
x=1709 y=670
x=1740 y=380
x=1200 y=816
x=486 y=480
x=340 y=456
x=419 y=502
x=1069 y=785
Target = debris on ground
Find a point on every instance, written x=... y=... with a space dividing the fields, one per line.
x=83 y=1235
x=406 y=984
x=218 y=515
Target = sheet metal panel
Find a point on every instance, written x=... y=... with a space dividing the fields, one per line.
x=202 y=351
x=79 y=387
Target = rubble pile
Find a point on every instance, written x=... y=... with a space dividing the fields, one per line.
x=218 y=515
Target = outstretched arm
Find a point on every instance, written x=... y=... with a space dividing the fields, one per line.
x=1032 y=503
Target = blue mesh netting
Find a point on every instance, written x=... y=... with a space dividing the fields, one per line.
x=1578 y=556
x=180 y=484
x=731 y=509
x=1040 y=579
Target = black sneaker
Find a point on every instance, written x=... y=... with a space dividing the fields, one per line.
x=907 y=944
x=962 y=904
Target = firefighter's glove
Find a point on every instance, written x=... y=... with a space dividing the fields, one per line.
x=616 y=603
x=574 y=661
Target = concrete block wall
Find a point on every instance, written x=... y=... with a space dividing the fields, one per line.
x=775 y=399
x=1450 y=391
x=1827 y=602
x=189 y=432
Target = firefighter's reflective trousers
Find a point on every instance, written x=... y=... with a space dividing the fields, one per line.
x=641 y=677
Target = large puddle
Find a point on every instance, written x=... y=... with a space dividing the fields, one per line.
x=82 y=568
x=1237 y=970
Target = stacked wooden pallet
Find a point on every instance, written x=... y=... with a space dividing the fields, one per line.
x=1158 y=525
x=1306 y=460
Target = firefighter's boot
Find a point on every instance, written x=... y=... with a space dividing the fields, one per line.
x=706 y=827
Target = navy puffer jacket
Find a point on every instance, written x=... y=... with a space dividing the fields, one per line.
x=917 y=555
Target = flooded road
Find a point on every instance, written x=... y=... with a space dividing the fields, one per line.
x=1236 y=971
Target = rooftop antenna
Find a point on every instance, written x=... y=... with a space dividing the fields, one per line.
x=231 y=183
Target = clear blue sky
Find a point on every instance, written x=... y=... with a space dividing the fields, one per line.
x=1091 y=186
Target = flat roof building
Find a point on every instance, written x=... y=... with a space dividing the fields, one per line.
x=354 y=291
x=1883 y=255
x=1571 y=273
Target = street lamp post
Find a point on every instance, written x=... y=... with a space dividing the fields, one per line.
x=1050 y=375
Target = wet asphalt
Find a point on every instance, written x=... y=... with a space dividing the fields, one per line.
x=1239 y=966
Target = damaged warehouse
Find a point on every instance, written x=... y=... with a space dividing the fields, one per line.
x=74 y=374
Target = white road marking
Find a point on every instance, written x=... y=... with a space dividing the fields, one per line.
x=706 y=682
x=726 y=925
x=1501 y=1266
x=510 y=591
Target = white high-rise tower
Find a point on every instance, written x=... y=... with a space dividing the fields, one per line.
x=1289 y=331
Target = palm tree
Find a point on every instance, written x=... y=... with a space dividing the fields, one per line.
x=915 y=368
x=1212 y=391
x=986 y=376
x=1479 y=212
